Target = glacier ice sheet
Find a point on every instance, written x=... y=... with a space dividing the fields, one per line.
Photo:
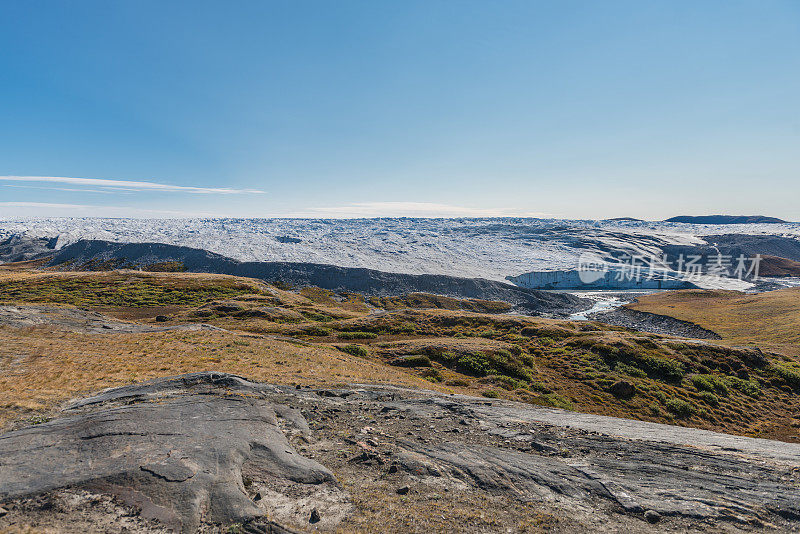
x=474 y=248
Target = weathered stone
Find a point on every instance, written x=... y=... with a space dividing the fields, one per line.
x=78 y=320
x=173 y=448
x=651 y=516
x=622 y=388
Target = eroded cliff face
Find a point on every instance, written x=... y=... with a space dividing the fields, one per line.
x=210 y=451
x=611 y=279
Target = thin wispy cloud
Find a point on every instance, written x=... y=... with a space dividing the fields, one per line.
x=72 y=189
x=42 y=205
x=129 y=185
x=55 y=209
x=412 y=209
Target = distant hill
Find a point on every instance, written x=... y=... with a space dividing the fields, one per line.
x=774 y=266
x=724 y=219
x=88 y=255
x=632 y=219
x=21 y=248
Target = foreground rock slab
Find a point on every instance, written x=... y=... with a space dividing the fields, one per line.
x=175 y=449
x=208 y=451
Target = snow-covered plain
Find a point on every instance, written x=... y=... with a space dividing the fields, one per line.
x=486 y=248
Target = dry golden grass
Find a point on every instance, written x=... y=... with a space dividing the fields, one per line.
x=121 y=288
x=429 y=301
x=432 y=511
x=42 y=368
x=286 y=337
x=21 y=271
x=413 y=346
x=771 y=319
x=353 y=302
x=23 y=265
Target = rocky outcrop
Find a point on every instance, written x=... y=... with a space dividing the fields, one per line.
x=725 y=219
x=23 y=248
x=773 y=266
x=175 y=449
x=779 y=257
x=210 y=448
x=750 y=245
x=654 y=323
x=78 y=320
x=779 y=254
x=613 y=277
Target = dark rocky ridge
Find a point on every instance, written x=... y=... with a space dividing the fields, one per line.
x=654 y=323
x=366 y=281
x=180 y=450
x=724 y=219
x=22 y=248
x=779 y=254
x=773 y=266
x=749 y=245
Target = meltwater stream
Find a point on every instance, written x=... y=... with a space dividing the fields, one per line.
x=605 y=301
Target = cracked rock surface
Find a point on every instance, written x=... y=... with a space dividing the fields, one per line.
x=79 y=320
x=205 y=451
x=173 y=448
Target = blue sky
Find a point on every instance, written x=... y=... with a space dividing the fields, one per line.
x=432 y=108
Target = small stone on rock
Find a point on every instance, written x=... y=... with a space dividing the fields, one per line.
x=652 y=516
x=314 y=516
x=403 y=490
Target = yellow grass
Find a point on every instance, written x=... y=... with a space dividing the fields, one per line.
x=288 y=338
x=770 y=319
x=43 y=368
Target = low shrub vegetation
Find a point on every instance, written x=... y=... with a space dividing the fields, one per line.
x=680 y=408
x=710 y=383
x=709 y=398
x=317 y=331
x=789 y=372
x=748 y=387
x=355 y=350
x=413 y=360
x=112 y=289
x=356 y=335
x=629 y=370
x=540 y=361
